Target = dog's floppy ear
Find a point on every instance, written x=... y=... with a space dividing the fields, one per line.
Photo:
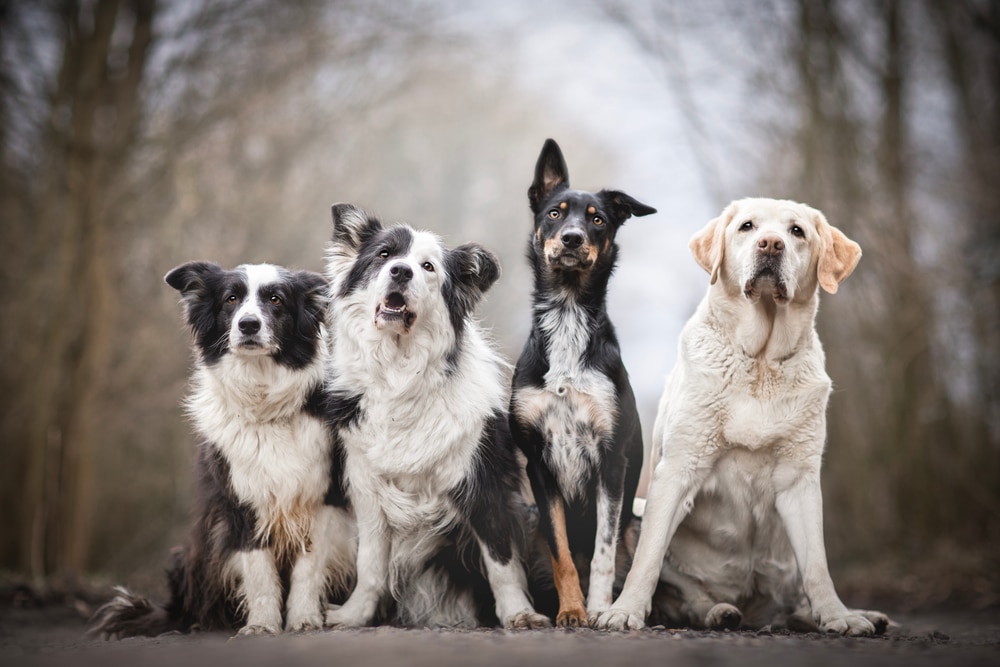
x=352 y=226
x=190 y=279
x=472 y=270
x=314 y=298
x=550 y=173
x=709 y=245
x=625 y=206
x=838 y=257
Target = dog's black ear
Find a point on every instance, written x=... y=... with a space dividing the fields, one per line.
x=550 y=173
x=624 y=206
x=473 y=269
x=191 y=278
x=314 y=298
x=352 y=226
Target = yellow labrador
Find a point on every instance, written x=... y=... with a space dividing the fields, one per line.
x=733 y=522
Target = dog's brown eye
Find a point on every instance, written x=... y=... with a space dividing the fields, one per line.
x=231 y=298
x=554 y=213
x=797 y=231
x=746 y=226
x=598 y=220
x=275 y=300
x=427 y=266
x=384 y=254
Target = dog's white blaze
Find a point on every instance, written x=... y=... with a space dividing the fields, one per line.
x=258 y=276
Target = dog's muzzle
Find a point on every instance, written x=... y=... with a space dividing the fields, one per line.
x=768 y=271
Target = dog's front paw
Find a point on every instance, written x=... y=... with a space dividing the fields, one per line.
x=343 y=617
x=879 y=620
x=304 y=623
x=574 y=617
x=723 y=616
x=527 y=619
x=849 y=623
x=620 y=620
x=257 y=630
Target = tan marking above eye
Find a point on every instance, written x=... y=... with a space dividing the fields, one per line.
x=564 y=205
x=591 y=210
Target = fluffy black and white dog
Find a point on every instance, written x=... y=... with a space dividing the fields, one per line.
x=271 y=511
x=418 y=401
x=573 y=413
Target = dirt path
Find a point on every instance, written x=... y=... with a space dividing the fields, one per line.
x=54 y=636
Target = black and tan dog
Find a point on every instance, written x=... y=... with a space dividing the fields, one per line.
x=573 y=412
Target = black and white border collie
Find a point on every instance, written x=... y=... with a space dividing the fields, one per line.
x=418 y=400
x=271 y=512
x=573 y=413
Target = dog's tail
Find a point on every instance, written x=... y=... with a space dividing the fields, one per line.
x=131 y=615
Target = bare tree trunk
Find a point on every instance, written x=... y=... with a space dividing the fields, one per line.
x=73 y=353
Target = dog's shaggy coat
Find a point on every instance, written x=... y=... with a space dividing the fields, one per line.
x=271 y=514
x=418 y=399
x=733 y=523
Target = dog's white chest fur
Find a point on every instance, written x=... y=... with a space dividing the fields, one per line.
x=278 y=455
x=575 y=410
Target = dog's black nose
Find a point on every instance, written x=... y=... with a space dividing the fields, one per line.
x=401 y=273
x=770 y=245
x=572 y=238
x=249 y=325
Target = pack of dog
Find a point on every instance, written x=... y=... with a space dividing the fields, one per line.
x=359 y=436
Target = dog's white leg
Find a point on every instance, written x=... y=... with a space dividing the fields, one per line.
x=372 y=568
x=509 y=585
x=259 y=590
x=671 y=496
x=800 y=504
x=316 y=567
x=602 y=565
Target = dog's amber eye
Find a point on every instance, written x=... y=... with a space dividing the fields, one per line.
x=275 y=300
x=797 y=231
x=384 y=254
x=231 y=298
x=598 y=220
x=554 y=213
x=427 y=266
x=746 y=226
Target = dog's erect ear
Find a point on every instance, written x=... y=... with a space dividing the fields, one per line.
x=625 y=206
x=352 y=226
x=838 y=256
x=550 y=173
x=709 y=245
x=190 y=278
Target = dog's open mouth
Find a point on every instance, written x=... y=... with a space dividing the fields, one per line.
x=394 y=311
x=766 y=280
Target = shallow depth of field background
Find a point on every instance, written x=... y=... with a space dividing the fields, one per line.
x=136 y=135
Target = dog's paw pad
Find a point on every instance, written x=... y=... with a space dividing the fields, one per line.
x=723 y=616
x=528 y=620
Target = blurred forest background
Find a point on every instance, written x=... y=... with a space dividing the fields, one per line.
x=139 y=134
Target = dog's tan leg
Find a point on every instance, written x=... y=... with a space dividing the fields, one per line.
x=572 y=613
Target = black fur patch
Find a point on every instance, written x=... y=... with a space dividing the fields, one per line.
x=393 y=242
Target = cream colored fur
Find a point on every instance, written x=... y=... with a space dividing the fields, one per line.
x=734 y=519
